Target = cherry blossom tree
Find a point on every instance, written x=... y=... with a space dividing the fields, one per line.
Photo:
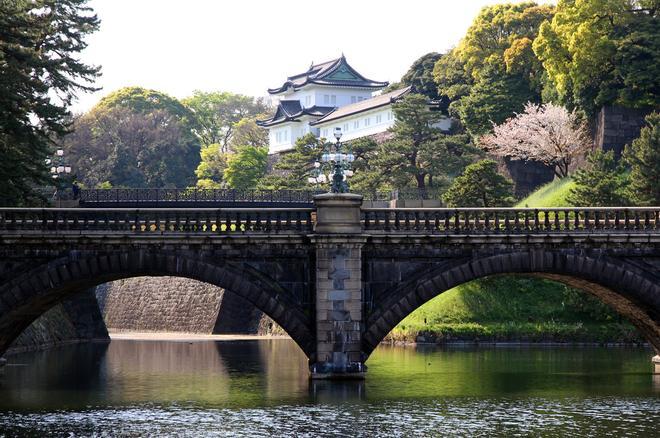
x=546 y=133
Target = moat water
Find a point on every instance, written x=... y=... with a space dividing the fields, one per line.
x=261 y=388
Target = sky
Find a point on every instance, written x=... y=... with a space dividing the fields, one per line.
x=247 y=46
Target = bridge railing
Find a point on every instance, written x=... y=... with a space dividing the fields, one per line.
x=509 y=220
x=197 y=196
x=156 y=221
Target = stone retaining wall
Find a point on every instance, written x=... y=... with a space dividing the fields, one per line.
x=75 y=320
x=174 y=304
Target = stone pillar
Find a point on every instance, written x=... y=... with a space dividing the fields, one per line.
x=339 y=326
x=656 y=364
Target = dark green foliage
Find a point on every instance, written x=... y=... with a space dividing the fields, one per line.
x=420 y=155
x=494 y=71
x=40 y=74
x=246 y=166
x=420 y=78
x=600 y=52
x=494 y=98
x=127 y=148
x=643 y=157
x=480 y=185
x=296 y=166
x=601 y=183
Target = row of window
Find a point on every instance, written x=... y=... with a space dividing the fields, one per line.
x=331 y=99
x=356 y=123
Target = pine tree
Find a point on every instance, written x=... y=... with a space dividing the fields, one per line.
x=40 y=75
x=643 y=157
x=601 y=183
x=480 y=186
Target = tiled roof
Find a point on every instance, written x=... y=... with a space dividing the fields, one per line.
x=291 y=110
x=336 y=72
x=365 y=105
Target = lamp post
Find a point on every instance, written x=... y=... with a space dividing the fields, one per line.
x=340 y=163
x=58 y=167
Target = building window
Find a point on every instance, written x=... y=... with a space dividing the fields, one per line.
x=353 y=99
x=389 y=115
x=367 y=121
x=333 y=100
x=324 y=133
x=278 y=137
x=308 y=101
x=356 y=124
x=360 y=98
x=379 y=119
x=326 y=99
x=286 y=135
x=345 y=127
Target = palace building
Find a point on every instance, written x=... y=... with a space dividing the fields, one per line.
x=329 y=95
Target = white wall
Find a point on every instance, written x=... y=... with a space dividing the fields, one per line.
x=356 y=126
x=368 y=123
x=283 y=137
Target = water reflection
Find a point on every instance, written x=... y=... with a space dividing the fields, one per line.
x=262 y=387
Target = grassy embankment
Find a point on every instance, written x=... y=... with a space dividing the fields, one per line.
x=513 y=308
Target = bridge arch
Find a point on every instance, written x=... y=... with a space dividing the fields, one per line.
x=628 y=288
x=27 y=296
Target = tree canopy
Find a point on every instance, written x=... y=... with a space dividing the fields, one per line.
x=600 y=183
x=480 y=185
x=418 y=153
x=217 y=114
x=40 y=74
x=246 y=166
x=493 y=72
x=132 y=149
x=420 y=78
x=643 y=157
x=599 y=52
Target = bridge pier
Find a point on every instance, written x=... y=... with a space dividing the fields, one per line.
x=339 y=324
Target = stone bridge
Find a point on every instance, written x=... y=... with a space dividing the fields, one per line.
x=337 y=277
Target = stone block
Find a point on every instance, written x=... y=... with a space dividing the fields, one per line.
x=338 y=315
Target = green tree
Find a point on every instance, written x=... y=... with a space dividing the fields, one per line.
x=145 y=101
x=420 y=78
x=295 y=167
x=494 y=98
x=599 y=52
x=367 y=178
x=493 y=72
x=601 y=183
x=480 y=185
x=643 y=157
x=420 y=154
x=248 y=133
x=217 y=113
x=451 y=77
x=246 y=166
x=499 y=35
x=132 y=149
x=211 y=170
x=40 y=74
